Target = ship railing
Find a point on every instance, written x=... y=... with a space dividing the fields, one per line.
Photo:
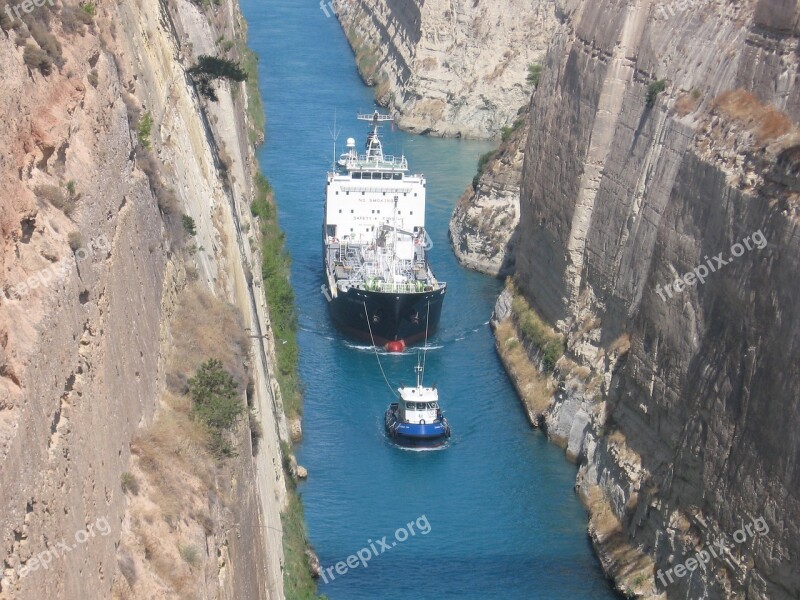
x=387 y=161
x=388 y=287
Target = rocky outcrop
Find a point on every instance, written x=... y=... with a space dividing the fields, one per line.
x=487 y=214
x=449 y=68
x=662 y=138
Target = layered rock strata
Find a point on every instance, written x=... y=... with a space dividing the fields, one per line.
x=667 y=146
x=449 y=68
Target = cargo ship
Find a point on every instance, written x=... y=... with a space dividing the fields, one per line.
x=378 y=283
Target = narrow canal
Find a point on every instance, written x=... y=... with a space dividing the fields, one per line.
x=498 y=506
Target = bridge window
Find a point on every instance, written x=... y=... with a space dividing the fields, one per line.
x=397 y=176
x=357 y=175
x=387 y=175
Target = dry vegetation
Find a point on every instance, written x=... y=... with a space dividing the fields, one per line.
x=633 y=571
x=535 y=334
x=766 y=122
x=534 y=389
x=203 y=328
x=176 y=483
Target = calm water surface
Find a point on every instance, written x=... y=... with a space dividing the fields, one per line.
x=504 y=521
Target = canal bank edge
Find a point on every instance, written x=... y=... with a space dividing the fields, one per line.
x=565 y=400
x=301 y=565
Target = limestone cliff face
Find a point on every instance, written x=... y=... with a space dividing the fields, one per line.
x=693 y=432
x=449 y=68
x=487 y=214
x=89 y=274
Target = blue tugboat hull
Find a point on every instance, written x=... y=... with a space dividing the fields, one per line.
x=415 y=432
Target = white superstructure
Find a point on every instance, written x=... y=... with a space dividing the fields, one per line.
x=362 y=198
x=374 y=231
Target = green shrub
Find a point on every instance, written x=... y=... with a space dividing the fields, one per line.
x=482 y=162
x=189 y=225
x=190 y=554
x=653 y=90
x=549 y=345
x=144 y=129
x=275 y=263
x=210 y=68
x=215 y=397
x=534 y=74
x=216 y=403
x=129 y=483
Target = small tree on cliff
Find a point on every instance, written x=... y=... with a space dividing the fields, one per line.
x=209 y=68
x=216 y=402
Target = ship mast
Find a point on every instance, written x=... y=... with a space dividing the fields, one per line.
x=394 y=244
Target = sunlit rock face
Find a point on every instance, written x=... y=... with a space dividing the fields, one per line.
x=449 y=68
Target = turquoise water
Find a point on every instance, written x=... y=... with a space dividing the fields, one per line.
x=498 y=506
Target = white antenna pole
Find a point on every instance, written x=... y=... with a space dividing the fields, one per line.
x=334 y=135
x=394 y=245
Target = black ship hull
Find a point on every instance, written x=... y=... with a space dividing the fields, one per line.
x=388 y=319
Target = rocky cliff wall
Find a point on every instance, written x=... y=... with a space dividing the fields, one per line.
x=449 y=68
x=487 y=214
x=659 y=139
x=92 y=263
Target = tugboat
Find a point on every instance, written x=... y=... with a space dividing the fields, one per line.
x=378 y=283
x=417 y=420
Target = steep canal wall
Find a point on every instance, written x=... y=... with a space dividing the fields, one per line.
x=126 y=264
